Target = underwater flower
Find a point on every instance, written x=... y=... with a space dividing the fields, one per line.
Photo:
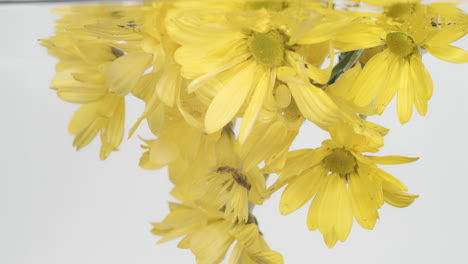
x=233 y=53
x=201 y=66
x=342 y=183
x=105 y=117
x=81 y=78
x=176 y=139
x=208 y=235
x=217 y=179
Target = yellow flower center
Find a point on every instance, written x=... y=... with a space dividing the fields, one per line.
x=400 y=44
x=268 y=5
x=268 y=48
x=401 y=10
x=340 y=161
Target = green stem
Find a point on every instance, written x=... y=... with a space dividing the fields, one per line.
x=347 y=61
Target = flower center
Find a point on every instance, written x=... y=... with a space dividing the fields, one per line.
x=238 y=177
x=268 y=5
x=401 y=10
x=268 y=48
x=400 y=44
x=340 y=161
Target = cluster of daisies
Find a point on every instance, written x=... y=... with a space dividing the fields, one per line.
x=228 y=84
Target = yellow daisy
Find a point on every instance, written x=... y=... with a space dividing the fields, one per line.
x=176 y=140
x=209 y=236
x=81 y=78
x=232 y=55
x=105 y=117
x=343 y=183
x=251 y=248
x=219 y=180
x=206 y=232
x=277 y=126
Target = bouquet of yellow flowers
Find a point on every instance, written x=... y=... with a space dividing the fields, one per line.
x=227 y=85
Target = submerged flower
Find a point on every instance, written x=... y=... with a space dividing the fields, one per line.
x=232 y=54
x=217 y=179
x=343 y=184
x=81 y=78
x=201 y=65
x=208 y=235
x=105 y=117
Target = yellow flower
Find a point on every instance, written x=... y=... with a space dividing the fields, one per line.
x=232 y=54
x=339 y=91
x=277 y=126
x=176 y=140
x=251 y=248
x=81 y=78
x=209 y=236
x=106 y=117
x=343 y=184
x=268 y=142
x=206 y=233
x=399 y=68
x=220 y=181
x=146 y=61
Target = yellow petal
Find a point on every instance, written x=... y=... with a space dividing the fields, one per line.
x=301 y=189
x=396 y=197
x=146 y=163
x=366 y=198
x=387 y=177
x=391 y=160
x=344 y=216
x=405 y=99
x=163 y=151
x=169 y=84
x=297 y=161
x=421 y=84
x=236 y=253
x=125 y=71
x=282 y=96
x=369 y=83
x=268 y=257
x=392 y=81
x=257 y=181
x=331 y=210
x=264 y=84
x=112 y=136
x=448 y=53
x=210 y=243
x=315 y=104
x=229 y=100
x=359 y=36
x=206 y=78
x=327 y=30
x=82 y=118
x=258 y=146
x=73 y=91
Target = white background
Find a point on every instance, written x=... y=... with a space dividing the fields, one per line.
x=59 y=206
